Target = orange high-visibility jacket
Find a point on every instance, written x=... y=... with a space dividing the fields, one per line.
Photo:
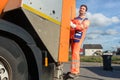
x=79 y=27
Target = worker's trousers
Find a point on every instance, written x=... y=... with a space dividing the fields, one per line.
x=75 y=66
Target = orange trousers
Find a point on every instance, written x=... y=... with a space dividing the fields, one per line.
x=75 y=65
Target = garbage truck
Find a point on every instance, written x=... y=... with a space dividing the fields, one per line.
x=34 y=38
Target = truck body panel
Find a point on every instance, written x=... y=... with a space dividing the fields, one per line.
x=12 y=4
x=2 y=5
x=48 y=32
x=68 y=13
x=44 y=8
x=57 y=14
x=51 y=8
x=48 y=24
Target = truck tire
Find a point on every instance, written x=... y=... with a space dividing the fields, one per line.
x=13 y=65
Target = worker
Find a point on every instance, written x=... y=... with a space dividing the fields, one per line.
x=79 y=25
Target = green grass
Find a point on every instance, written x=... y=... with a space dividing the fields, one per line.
x=115 y=59
x=90 y=59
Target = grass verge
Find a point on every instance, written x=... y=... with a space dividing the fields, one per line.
x=114 y=59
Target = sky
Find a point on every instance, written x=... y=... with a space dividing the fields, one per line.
x=104 y=16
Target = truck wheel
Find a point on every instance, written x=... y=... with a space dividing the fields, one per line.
x=13 y=65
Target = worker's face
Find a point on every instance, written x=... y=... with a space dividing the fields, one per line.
x=82 y=10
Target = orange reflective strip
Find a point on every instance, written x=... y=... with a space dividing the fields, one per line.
x=75 y=66
x=2 y=4
x=68 y=12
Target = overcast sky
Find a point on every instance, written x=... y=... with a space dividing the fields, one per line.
x=104 y=16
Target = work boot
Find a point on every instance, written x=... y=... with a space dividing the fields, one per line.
x=70 y=75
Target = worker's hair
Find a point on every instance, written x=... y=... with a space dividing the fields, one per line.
x=83 y=5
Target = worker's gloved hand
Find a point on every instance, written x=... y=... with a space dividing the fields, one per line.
x=72 y=25
x=77 y=25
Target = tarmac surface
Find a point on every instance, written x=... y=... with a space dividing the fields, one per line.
x=94 y=71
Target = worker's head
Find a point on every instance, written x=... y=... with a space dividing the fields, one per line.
x=83 y=9
x=85 y=6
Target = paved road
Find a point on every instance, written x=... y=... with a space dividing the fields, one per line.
x=94 y=71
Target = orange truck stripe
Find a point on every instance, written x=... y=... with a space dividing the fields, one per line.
x=68 y=12
x=2 y=4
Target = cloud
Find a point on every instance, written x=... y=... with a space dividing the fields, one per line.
x=91 y=36
x=100 y=20
x=99 y=33
x=94 y=34
x=111 y=32
x=115 y=19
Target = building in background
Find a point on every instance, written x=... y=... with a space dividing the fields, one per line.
x=92 y=49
